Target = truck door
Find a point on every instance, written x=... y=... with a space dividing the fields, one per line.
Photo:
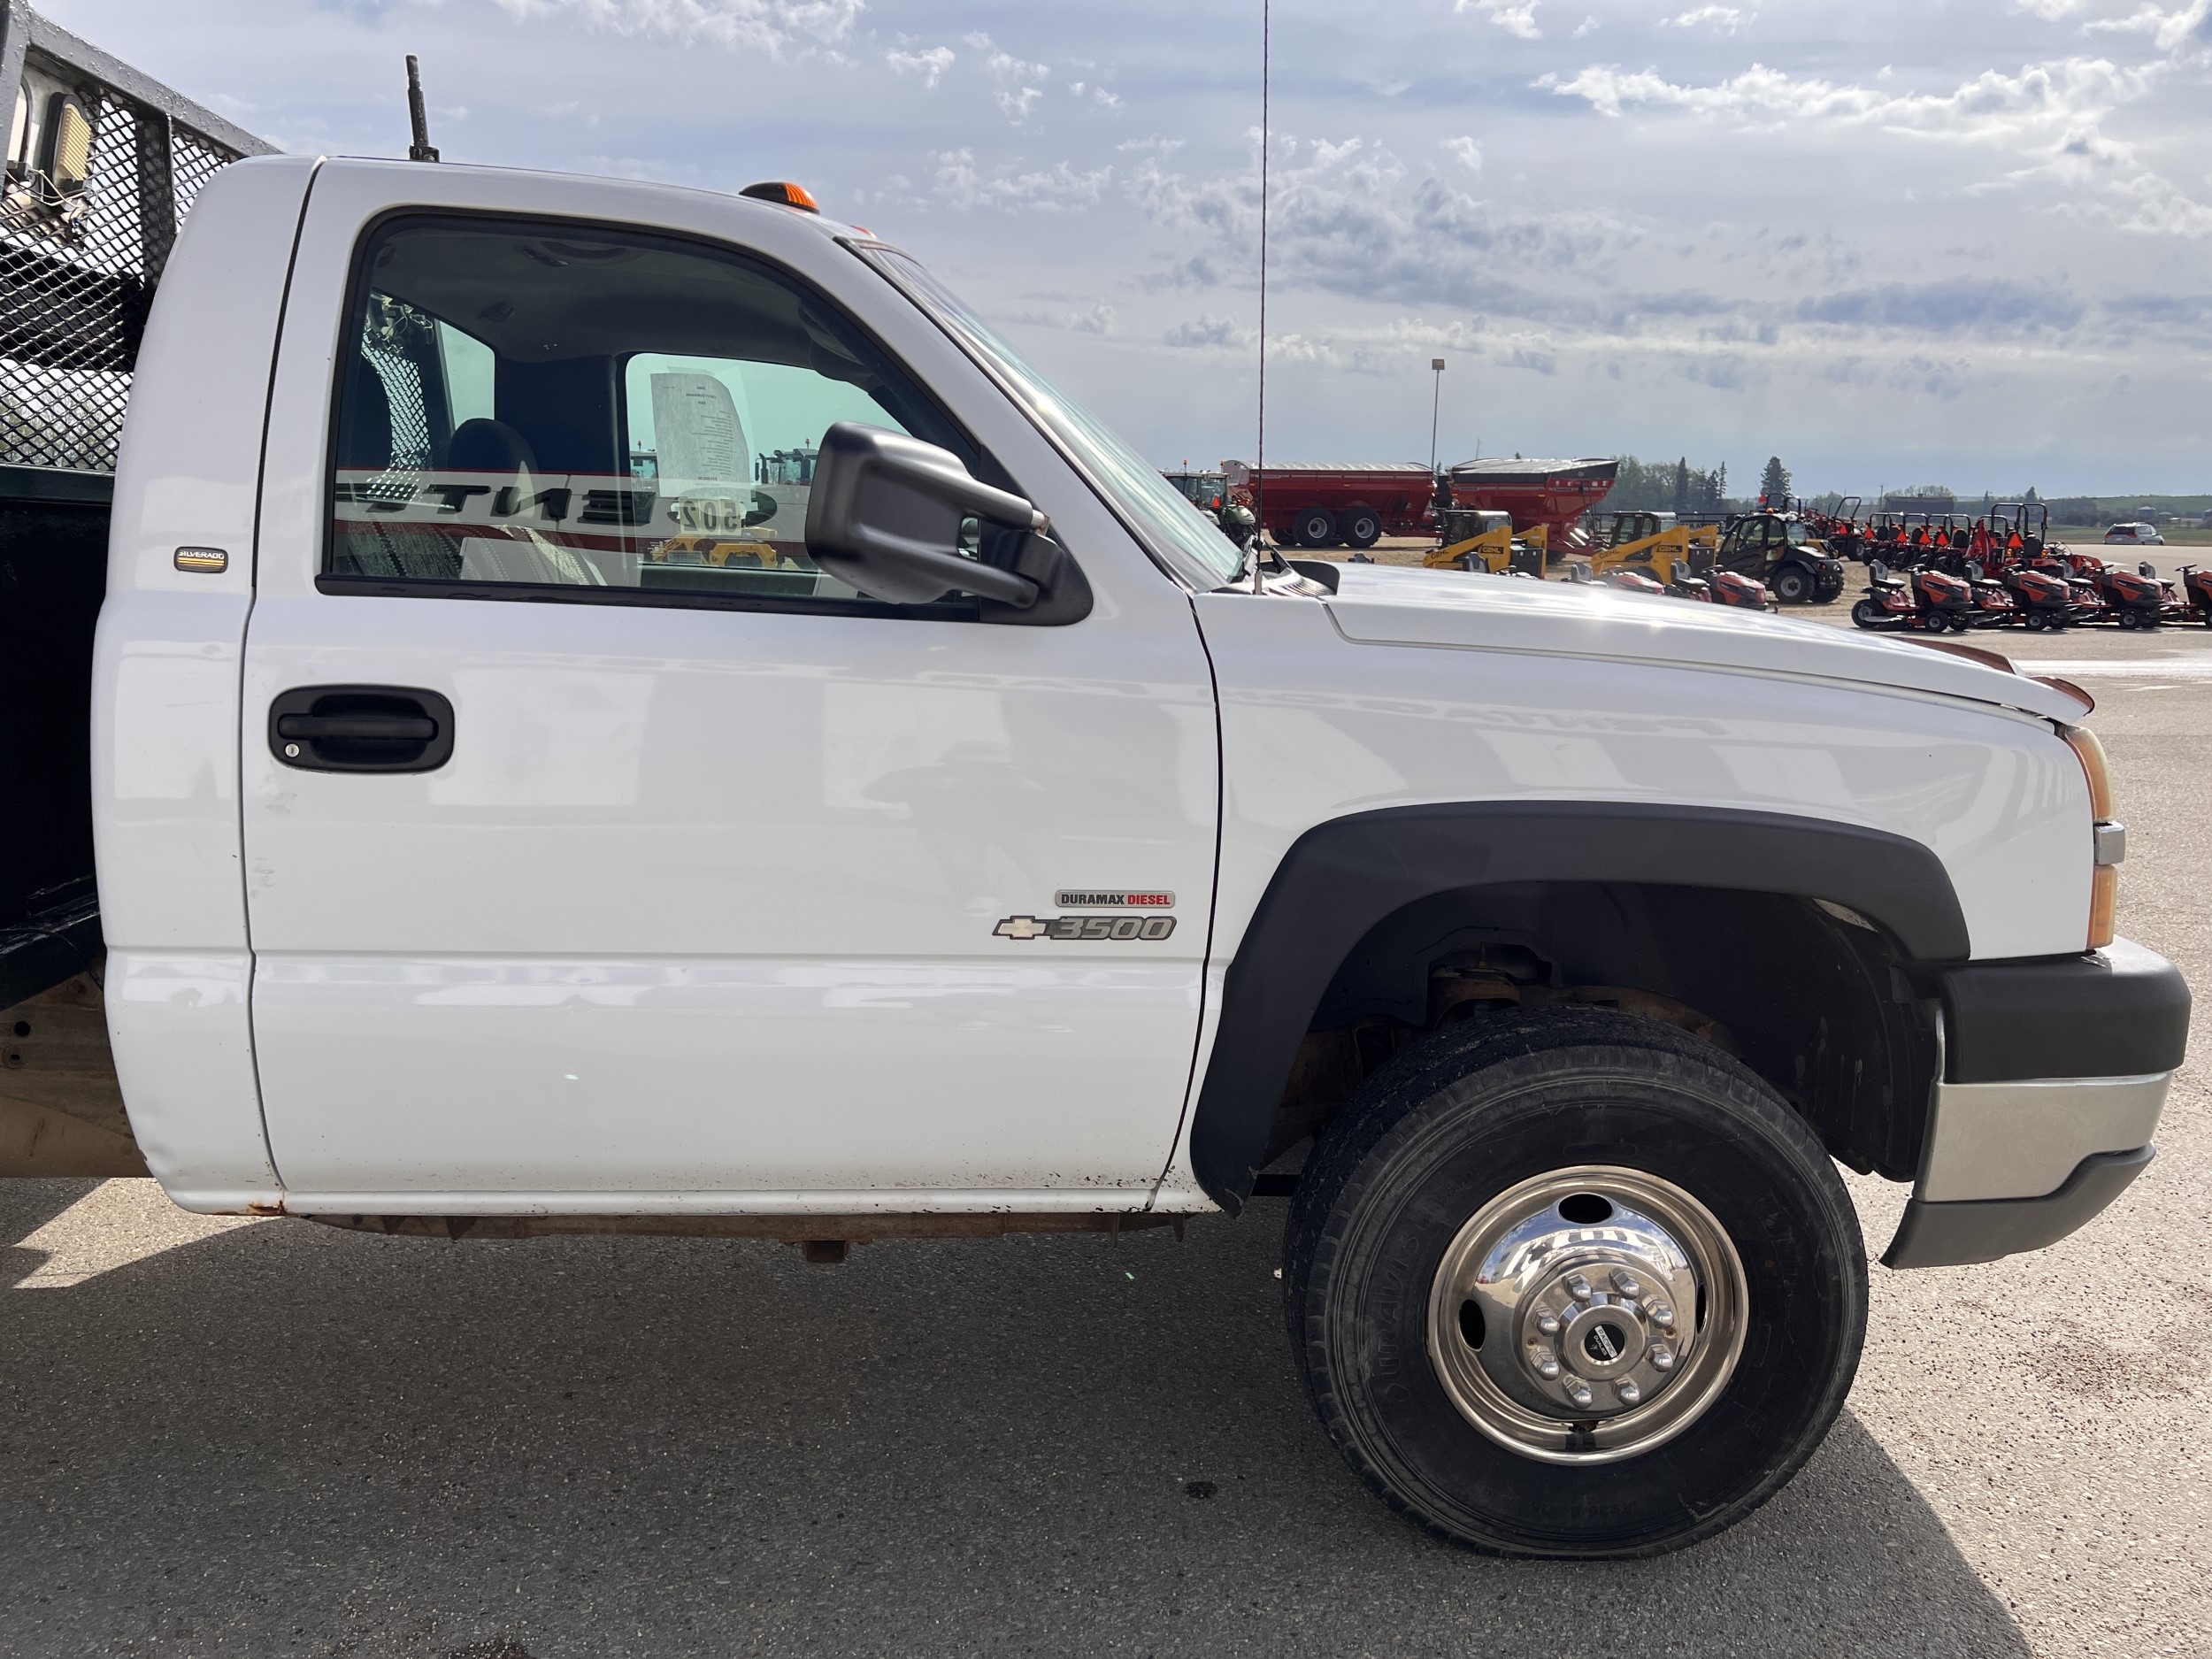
x=604 y=854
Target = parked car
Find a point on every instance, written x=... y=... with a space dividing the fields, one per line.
x=2134 y=533
x=986 y=844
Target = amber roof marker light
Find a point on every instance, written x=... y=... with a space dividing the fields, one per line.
x=784 y=194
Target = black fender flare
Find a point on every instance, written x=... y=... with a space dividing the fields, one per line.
x=1340 y=878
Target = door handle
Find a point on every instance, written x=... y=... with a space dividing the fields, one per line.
x=361 y=728
x=382 y=726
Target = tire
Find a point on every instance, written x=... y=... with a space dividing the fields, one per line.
x=2131 y=619
x=1362 y=527
x=1313 y=526
x=1551 y=1102
x=1793 y=585
x=1867 y=614
x=1961 y=622
x=2037 y=621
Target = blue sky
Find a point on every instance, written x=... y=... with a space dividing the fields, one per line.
x=1966 y=242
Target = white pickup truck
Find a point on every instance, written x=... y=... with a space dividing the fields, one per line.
x=628 y=710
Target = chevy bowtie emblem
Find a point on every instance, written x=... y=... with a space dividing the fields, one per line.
x=1022 y=927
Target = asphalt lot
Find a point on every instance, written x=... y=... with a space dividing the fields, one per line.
x=247 y=1438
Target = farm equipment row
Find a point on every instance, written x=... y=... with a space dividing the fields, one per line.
x=1927 y=572
x=1644 y=550
x=2003 y=570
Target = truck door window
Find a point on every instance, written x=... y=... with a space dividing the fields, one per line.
x=532 y=410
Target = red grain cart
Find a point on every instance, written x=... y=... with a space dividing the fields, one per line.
x=1553 y=494
x=1316 y=505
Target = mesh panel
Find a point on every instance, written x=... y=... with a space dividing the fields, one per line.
x=76 y=279
x=193 y=161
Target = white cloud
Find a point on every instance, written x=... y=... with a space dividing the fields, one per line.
x=1994 y=105
x=1516 y=18
x=2049 y=115
x=2049 y=11
x=2169 y=31
x=1017 y=86
x=962 y=185
x=771 y=26
x=1722 y=19
x=930 y=64
x=1588 y=26
x=1468 y=152
x=1207 y=331
x=1097 y=320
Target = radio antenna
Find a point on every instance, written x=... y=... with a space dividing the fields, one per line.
x=1259 y=467
x=420 y=150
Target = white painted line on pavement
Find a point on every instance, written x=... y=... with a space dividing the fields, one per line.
x=2121 y=668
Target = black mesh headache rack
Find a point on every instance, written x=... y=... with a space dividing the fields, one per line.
x=102 y=164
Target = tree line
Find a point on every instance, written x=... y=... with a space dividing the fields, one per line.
x=1667 y=487
x=1678 y=486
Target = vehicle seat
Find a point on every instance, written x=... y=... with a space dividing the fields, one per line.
x=478 y=445
x=520 y=554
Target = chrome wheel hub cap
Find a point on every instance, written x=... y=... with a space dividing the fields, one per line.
x=1587 y=1315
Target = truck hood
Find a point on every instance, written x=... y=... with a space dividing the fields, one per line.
x=1380 y=605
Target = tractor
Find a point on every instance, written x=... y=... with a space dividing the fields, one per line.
x=1774 y=548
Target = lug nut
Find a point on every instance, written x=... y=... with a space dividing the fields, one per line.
x=1662 y=1358
x=1547 y=1322
x=1579 y=1287
x=1627 y=1283
x=1629 y=1392
x=1579 y=1393
x=1547 y=1366
x=1662 y=1315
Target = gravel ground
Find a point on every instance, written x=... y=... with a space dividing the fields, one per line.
x=259 y=1438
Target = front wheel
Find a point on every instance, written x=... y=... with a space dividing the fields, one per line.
x=1363 y=527
x=1867 y=614
x=1314 y=526
x=1572 y=1283
x=1793 y=586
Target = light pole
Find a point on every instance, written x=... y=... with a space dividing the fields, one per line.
x=1436 y=403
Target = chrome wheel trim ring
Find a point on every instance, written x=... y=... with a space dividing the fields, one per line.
x=1547 y=1380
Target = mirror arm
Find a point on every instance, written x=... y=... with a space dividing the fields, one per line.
x=985 y=581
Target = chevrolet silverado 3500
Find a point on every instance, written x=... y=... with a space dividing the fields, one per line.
x=518 y=810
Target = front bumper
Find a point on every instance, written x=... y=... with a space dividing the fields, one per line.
x=2053 y=1076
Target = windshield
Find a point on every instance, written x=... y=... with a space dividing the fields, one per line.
x=1180 y=538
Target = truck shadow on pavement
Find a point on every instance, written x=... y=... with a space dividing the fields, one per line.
x=287 y=1439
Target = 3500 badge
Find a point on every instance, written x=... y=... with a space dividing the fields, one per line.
x=1112 y=928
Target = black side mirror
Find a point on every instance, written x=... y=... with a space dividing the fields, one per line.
x=885 y=514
